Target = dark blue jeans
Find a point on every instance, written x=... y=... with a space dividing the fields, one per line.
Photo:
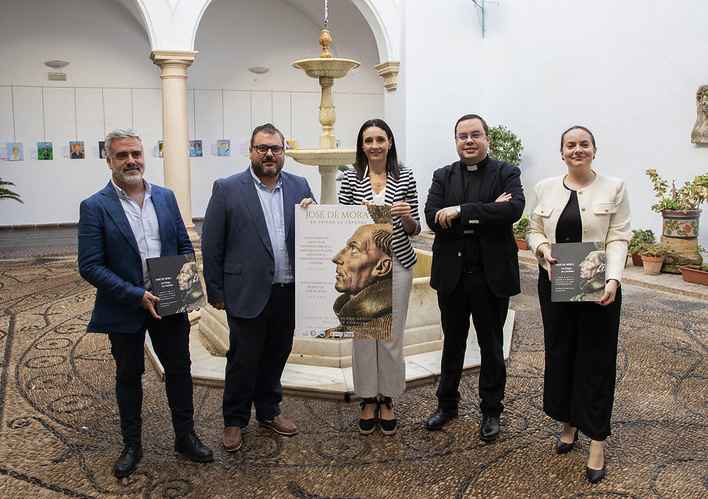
x=258 y=351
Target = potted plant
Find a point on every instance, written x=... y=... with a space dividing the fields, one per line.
x=6 y=193
x=653 y=257
x=680 y=211
x=521 y=228
x=697 y=274
x=504 y=145
x=640 y=237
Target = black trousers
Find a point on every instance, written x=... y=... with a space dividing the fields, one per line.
x=170 y=339
x=581 y=358
x=473 y=296
x=258 y=351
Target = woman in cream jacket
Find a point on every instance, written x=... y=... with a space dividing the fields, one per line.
x=581 y=337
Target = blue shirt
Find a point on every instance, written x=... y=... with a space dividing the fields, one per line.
x=144 y=224
x=272 y=204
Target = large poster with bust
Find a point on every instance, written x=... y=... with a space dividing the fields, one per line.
x=344 y=269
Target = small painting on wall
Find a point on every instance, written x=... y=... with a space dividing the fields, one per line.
x=195 y=149
x=77 y=150
x=45 y=151
x=15 y=151
x=102 y=149
x=223 y=147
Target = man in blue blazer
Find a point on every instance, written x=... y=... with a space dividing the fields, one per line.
x=121 y=226
x=248 y=245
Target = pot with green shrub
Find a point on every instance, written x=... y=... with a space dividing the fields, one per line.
x=521 y=228
x=640 y=237
x=680 y=212
x=696 y=274
x=653 y=257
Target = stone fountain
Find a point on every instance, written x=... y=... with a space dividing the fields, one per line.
x=328 y=157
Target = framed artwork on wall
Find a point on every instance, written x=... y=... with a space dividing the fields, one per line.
x=15 y=151
x=223 y=147
x=77 y=150
x=45 y=151
x=195 y=149
x=160 y=148
x=102 y=149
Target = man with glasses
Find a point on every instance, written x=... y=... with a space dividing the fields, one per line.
x=121 y=226
x=248 y=246
x=471 y=206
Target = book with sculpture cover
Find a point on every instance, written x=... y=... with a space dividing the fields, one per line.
x=579 y=274
x=175 y=281
x=344 y=271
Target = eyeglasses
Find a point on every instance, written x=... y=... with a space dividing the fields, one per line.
x=264 y=148
x=475 y=136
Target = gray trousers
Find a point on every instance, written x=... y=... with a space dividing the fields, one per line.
x=378 y=366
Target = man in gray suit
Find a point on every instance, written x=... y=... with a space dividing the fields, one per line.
x=248 y=245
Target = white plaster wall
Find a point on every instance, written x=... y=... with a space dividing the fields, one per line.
x=628 y=70
x=113 y=83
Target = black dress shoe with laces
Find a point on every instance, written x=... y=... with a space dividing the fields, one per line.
x=193 y=449
x=439 y=419
x=563 y=447
x=128 y=460
x=489 y=428
x=594 y=476
x=367 y=426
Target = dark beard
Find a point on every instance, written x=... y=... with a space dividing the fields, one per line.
x=260 y=171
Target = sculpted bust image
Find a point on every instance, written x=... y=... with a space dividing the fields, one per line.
x=700 y=130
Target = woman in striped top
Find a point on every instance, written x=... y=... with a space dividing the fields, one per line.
x=377 y=177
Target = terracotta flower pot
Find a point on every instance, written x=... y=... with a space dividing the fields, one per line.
x=521 y=244
x=636 y=259
x=680 y=233
x=652 y=264
x=695 y=276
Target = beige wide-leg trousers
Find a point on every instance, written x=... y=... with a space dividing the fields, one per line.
x=378 y=366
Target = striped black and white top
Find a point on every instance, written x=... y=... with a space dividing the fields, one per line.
x=356 y=191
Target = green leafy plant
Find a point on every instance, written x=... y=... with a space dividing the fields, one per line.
x=521 y=227
x=641 y=237
x=6 y=193
x=655 y=250
x=690 y=196
x=504 y=145
x=703 y=268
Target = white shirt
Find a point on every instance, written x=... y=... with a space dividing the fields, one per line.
x=143 y=222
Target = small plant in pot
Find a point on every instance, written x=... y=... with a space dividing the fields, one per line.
x=521 y=228
x=653 y=257
x=697 y=274
x=640 y=237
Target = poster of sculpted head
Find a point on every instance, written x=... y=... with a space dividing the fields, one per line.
x=344 y=270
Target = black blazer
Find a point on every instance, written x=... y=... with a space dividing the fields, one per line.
x=492 y=221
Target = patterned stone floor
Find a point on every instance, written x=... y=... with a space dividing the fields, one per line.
x=59 y=429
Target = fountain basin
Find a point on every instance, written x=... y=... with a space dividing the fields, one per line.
x=326 y=67
x=323 y=157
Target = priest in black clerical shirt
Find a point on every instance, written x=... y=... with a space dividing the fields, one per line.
x=472 y=205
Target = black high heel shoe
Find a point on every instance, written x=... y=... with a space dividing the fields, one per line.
x=367 y=426
x=564 y=448
x=388 y=426
x=594 y=476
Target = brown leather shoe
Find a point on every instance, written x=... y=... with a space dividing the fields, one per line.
x=280 y=425
x=232 y=438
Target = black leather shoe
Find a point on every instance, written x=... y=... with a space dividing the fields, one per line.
x=367 y=426
x=564 y=448
x=439 y=419
x=489 y=428
x=193 y=449
x=128 y=461
x=594 y=476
